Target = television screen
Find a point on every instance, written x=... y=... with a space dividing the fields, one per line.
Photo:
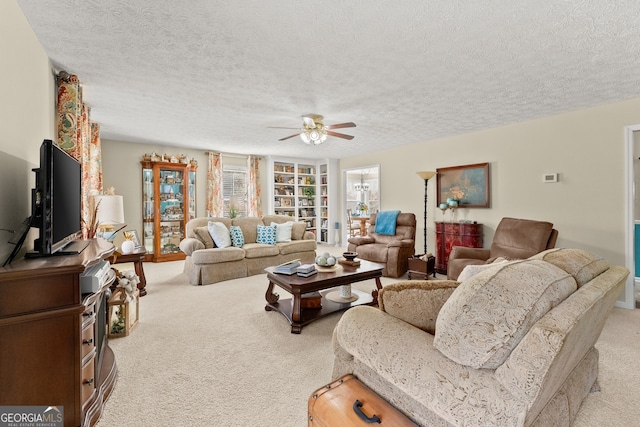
x=58 y=201
x=66 y=196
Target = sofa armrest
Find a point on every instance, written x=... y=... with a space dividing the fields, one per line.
x=364 y=240
x=416 y=302
x=482 y=254
x=308 y=235
x=404 y=243
x=190 y=245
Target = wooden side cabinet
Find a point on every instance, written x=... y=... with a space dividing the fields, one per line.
x=53 y=339
x=450 y=234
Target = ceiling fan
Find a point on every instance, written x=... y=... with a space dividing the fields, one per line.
x=314 y=131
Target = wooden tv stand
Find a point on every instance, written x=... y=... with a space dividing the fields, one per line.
x=53 y=339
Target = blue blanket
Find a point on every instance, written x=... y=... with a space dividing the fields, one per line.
x=386 y=222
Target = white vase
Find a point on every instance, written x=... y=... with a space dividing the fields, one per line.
x=127 y=247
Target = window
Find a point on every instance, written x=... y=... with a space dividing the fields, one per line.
x=234 y=190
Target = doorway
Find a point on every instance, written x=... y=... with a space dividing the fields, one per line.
x=360 y=187
x=634 y=135
x=632 y=216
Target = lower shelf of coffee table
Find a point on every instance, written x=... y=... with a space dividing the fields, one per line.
x=308 y=315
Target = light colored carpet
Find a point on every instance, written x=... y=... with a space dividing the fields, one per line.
x=212 y=356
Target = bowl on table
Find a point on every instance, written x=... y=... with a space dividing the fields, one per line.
x=350 y=256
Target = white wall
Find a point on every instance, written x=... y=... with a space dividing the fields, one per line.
x=585 y=147
x=121 y=169
x=27 y=116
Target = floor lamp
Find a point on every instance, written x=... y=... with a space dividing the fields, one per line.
x=426 y=175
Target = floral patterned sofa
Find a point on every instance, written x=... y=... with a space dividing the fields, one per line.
x=512 y=345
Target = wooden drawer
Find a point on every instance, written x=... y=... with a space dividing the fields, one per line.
x=88 y=380
x=348 y=402
x=88 y=341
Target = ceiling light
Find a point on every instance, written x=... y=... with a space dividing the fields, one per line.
x=315 y=136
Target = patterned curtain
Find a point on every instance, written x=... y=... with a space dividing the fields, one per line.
x=79 y=137
x=215 y=202
x=254 y=207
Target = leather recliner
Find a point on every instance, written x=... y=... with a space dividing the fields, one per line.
x=393 y=251
x=514 y=239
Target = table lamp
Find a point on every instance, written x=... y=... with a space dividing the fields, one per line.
x=109 y=214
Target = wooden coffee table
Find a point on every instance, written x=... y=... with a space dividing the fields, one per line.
x=321 y=282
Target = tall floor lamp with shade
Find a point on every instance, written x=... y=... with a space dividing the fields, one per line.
x=425 y=264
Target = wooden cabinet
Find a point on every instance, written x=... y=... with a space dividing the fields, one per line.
x=169 y=202
x=53 y=342
x=306 y=191
x=450 y=234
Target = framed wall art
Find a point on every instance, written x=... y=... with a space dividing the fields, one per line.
x=468 y=184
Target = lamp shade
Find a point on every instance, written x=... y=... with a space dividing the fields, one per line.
x=426 y=174
x=110 y=210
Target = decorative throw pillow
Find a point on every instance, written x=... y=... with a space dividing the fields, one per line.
x=298 y=230
x=473 y=269
x=283 y=231
x=582 y=265
x=487 y=316
x=266 y=234
x=237 y=238
x=219 y=234
x=202 y=234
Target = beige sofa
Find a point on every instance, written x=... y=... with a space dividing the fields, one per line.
x=206 y=264
x=513 y=344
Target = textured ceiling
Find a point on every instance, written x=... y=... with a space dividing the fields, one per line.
x=216 y=74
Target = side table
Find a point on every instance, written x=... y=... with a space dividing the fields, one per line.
x=450 y=234
x=136 y=257
x=421 y=268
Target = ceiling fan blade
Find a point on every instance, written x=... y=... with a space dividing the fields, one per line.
x=339 y=135
x=341 y=125
x=290 y=136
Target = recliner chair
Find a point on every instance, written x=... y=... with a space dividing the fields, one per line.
x=393 y=251
x=514 y=239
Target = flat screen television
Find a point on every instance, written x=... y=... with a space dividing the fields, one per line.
x=57 y=203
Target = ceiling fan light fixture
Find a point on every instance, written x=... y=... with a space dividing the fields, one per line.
x=305 y=136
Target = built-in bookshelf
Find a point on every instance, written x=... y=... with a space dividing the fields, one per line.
x=303 y=190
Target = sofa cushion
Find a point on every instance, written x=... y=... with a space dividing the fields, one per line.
x=488 y=314
x=266 y=234
x=217 y=255
x=416 y=302
x=283 y=231
x=260 y=250
x=237 y=238
x=376 y=252
x=298 y=230
x=473 y=269
x=220 y=234
x=202 y=234
x=248 y=224
x=582 y=265
x=295 y=246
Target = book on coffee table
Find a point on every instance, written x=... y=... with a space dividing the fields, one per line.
x=288 y=268
x=308 y=273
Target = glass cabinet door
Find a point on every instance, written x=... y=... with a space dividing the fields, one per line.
x=172 y=199
x=148 y=211
x=192 y=194
x=169 y=202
